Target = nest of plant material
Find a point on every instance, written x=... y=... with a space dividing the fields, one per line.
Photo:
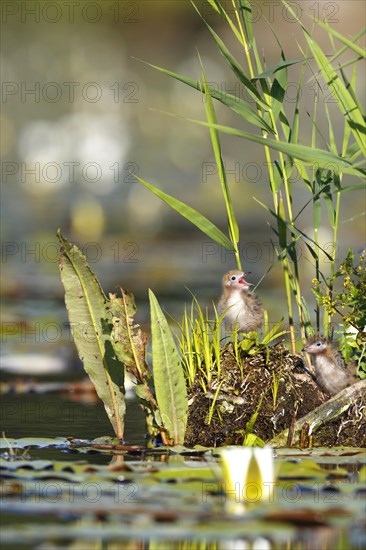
x=266 y=395
x=349 y=429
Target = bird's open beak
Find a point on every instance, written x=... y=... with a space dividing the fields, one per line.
x=242 y=280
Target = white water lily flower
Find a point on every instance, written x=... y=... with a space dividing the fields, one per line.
x=247 y=473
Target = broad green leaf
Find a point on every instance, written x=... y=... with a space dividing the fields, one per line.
x=234 y=102
x=169 y=381
x=192 y=215
x=91 y=325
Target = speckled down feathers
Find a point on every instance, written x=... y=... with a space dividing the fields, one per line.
x=242 y=307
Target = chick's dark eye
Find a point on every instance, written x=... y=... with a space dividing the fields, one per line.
x=233 y=277
x=318 y=344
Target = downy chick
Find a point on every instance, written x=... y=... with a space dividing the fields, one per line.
x=243 y=309
x=331 y=372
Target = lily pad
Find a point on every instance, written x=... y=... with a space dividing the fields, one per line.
x=39 y=442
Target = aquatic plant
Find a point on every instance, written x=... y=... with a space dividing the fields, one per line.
x=109 y=342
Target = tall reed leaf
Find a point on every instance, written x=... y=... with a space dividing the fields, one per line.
x=192 y=215
x=169 y=382
x=323 y=159
x=278 y=67
x=91 y=325
x=234 y=102
x=216 y=146
x=344 y=48
x=238 y=70
x=349 y=43
x=297 y=233
x=340 y=92
x=247 y=18
x=345 y=100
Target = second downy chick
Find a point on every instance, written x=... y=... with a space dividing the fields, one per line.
x=332 y=374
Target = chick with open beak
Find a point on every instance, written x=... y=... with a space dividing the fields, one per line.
x=242 y=308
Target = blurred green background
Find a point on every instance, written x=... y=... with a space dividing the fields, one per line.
x=80 y=113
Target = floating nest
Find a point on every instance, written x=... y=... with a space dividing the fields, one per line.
x=271 y=395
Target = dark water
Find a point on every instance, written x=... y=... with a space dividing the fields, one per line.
x=34 y=415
